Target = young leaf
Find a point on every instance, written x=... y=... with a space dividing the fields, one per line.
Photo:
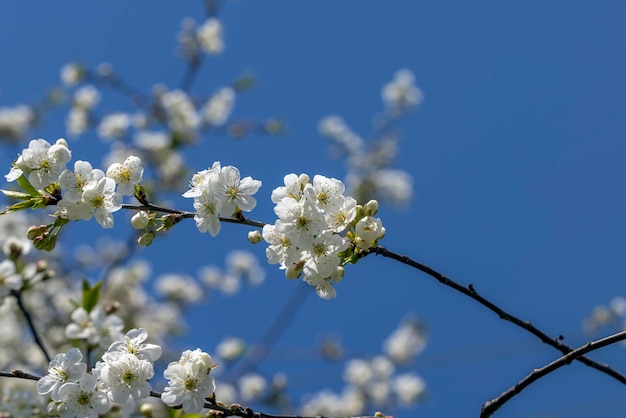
x=91 y=295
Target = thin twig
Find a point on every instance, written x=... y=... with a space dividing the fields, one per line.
x=472 y=293
x=493 y=405
x=31 y=325
x=240 y=219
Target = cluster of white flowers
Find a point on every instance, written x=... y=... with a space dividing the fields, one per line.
x=208 y=37
x=190 y=381
x=369 y=172
x=15 y=121
x=219 y=107
x=181 y=114
x=72 y=74
x=220 y=191
x=605 y=315
x=310 y=233
x=114 y=125
x=122 y=376
x=84 y=100
x=401 y=93
x=242 y=267
x=407 y=341
x=95 y=327
x=88 y=191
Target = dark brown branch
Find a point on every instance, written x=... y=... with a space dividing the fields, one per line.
x=240 y=219
x=31 y=325
x=20 y=375
x=493 y=405
x=472 y=293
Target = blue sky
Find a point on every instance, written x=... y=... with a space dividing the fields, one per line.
x=516 y=155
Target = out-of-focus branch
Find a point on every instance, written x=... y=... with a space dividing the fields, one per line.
x=31 y=325
x=472 y=293
x=493 y=405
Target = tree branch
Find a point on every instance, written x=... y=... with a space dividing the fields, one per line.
x=31 y=325
x=472 y=293
x=233 y=410
x=239 y=219
x=493 y=405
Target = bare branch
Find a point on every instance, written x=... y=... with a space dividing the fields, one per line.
x=31 y=325
x=493 y=405
x=472 y=293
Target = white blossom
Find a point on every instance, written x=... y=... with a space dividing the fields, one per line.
x=219 y=107
x=82 y=399
x=210 y=36
x=15 y=121
x=408 y=387
x=62 y=369
x=133 y=343
x=189 y=381
x=114 y=125
x=9 y=278
x=43 y=162
x=126 y=175
x=101 y=199
x=127 y=376
x=74 y=182
x=86 y=97
x=401 y=93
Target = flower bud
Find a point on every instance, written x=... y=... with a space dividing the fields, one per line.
x=146 y=410
x=35 y=231
x=294 y=271
x=369 y=230
x=62 y=141
x=371 y=208
x=45 y=242
x=304 y=179
x=146 y=238
x=140 y=220
x=255 y=236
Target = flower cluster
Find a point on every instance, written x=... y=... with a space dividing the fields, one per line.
x=220 y=191
x=369 y=172
x=316 y=225
x=88 y=191
x=375 y=382
x=190 y=381
x=122 y=376
x=15 y=121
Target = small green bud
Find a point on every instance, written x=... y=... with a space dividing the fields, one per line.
x=35 y=231
x=146 y=238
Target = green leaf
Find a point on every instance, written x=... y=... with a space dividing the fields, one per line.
x=26 y=204
x=91 y=295
x=12 y=194
x=27 y=187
